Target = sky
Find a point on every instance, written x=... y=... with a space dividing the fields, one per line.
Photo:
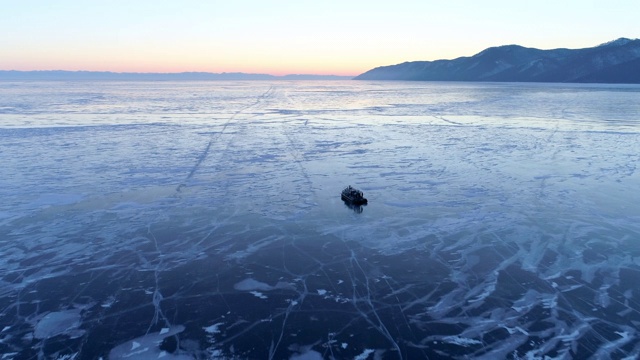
x=340 y=37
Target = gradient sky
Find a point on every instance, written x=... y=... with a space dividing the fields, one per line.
x=339 y=37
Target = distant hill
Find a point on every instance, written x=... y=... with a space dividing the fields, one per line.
x=62 y=75
x=617 y=61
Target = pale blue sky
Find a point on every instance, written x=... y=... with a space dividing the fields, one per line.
x=324 y=37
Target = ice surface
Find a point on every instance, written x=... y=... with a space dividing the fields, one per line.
x=58 y=323
x=252 y=284
x=147 y=347
x=203 y=220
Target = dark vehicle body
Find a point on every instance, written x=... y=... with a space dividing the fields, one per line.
x=353 y=196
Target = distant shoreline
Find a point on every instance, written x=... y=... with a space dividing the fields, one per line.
x=64 y=75
x=614 y=62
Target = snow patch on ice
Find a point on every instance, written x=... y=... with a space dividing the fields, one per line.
x=304 y=352
x=213 y=329
x=365 y=354
x=308 y=355
x=258 y=294
x=59 y=323
x=252 y=284
x=147 y=347
x=457 y=340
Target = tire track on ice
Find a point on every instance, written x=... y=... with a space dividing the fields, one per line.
x=205 y=153
x=299 y=158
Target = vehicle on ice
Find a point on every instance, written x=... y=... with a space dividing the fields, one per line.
x=353 y=196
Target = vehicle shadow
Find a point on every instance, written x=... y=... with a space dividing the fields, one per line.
x=356 y=208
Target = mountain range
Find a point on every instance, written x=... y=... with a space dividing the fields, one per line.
x=62 y=75
x=617 y=61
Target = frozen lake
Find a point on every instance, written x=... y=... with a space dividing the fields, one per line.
x=203 y=220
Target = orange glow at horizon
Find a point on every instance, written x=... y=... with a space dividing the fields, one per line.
x=155 y=64
x=163 y=68
x=288 y=37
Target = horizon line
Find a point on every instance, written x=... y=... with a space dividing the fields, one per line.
x=174 y=72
